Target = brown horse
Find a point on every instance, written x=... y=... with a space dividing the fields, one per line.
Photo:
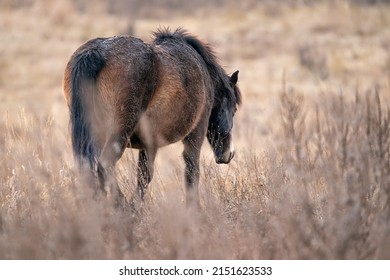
x=122 y=92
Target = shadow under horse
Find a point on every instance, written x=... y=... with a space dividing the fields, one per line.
x=123 y=92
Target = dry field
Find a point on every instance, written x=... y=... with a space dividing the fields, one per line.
x=311 y=176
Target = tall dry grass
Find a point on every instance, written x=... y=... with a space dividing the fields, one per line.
x=320 y=191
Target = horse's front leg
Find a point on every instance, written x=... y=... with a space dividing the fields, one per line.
x=191 y=157
x=145 y=170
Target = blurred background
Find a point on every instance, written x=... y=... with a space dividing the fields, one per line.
x=314 y=46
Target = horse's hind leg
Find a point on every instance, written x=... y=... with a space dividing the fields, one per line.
x=111 y=153
x=145 y=170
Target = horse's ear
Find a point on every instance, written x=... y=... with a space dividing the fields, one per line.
x=234 y=78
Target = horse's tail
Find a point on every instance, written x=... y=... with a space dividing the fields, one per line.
x=84 y=71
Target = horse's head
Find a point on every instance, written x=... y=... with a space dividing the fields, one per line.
x=219 y=132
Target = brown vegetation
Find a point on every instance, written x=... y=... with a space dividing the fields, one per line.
x=311 y=177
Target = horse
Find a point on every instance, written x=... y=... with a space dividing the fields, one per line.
x=125 y=93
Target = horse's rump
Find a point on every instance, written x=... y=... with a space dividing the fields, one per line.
x=107 y=84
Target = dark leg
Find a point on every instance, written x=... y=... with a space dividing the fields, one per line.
x=145 y=170
x=191 y=155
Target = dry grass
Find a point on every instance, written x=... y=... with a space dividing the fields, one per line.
x=312 y=172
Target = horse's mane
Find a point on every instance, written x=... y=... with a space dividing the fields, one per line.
x=203 y=49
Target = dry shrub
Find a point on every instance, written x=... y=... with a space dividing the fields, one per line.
x=320 y=192
x=336 y=178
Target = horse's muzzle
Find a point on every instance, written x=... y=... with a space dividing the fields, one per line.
x=225 y=158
